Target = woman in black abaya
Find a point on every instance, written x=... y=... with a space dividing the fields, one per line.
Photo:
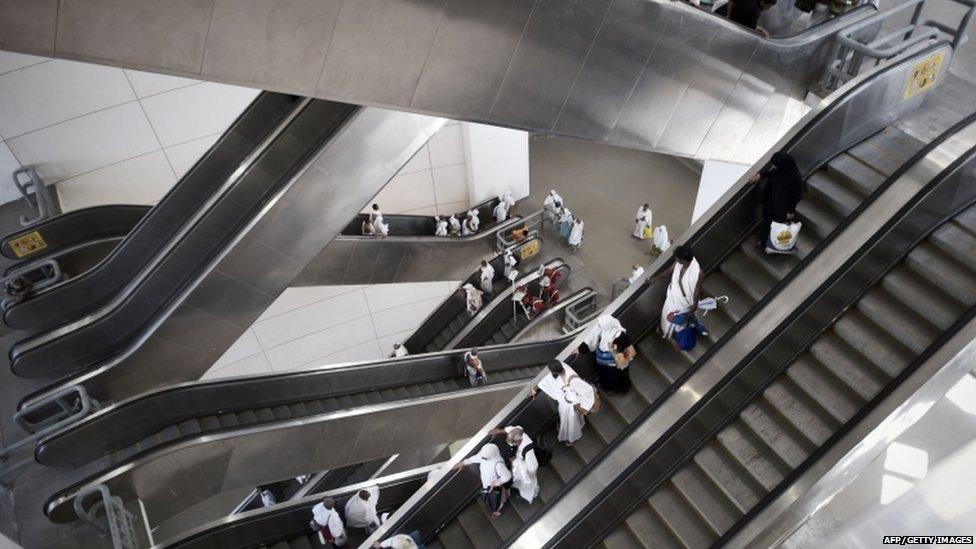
x=781 y=188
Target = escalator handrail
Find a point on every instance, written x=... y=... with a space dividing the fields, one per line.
x=154 y=408
x=789 y=320
x=68 y=218
x=500 y=301
x=732 y=200
x=249 y=159
x=165 y=250
x=496 y=262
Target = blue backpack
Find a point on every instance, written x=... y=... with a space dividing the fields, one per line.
x=687 y=336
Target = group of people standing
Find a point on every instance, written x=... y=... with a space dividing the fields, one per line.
x=570 y=226
x=472 y=221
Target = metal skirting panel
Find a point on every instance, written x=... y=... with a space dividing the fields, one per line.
x=624 y=72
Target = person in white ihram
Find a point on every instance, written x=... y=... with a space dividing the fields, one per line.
x=361 y=509
x=454 y=225
x=493 y=471
x=525 y=466
x=472 y=298
x=399 y=351
x=440 y=226
x=684 y=288
x=474 y=220
x=468 y=226
x=376 y=219
x=325 y=515
x=501 y=211
x=508 y=199
x=399 y=541
x=575 y=235
x=563 y=385
x=642 y=221
x=509 y=261
x=487 y=273
x=552 y=204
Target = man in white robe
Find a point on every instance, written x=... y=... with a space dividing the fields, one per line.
x=325 y=515
x=524 y=464
x=474 y=220
x=361 y=509
x=472 y=298
x=508 y=199
x=552 y=204
x=642 y=221
x=501 y=212
x=492 y=470
x=575 y=239
x=454 y=225
x=565 y=387
x=487 y=273
x=468 y=227
x=440 y=226
x=684 y=288
x=399 y=351
x=509 y=261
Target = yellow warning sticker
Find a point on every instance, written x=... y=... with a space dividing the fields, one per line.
x=924 y=75
x=529 y=250
x=27 y=244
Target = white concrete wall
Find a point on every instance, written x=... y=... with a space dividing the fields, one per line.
x=717 y=177
x=497 y=160
x=435 y=180
x=105 y=135
x=312 y=326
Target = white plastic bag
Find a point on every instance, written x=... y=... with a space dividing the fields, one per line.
x=782 y=237
x=661 y=241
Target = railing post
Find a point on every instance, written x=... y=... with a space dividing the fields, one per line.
x=97 y=506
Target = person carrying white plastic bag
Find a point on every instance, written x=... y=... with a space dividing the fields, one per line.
x=661 y=241
x=782 y=237
x=781 y=188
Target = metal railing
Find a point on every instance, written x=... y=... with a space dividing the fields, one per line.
x=533 y=225
x=579 y=313
x=98 y=507
x=42 y=418
x=34 y=277
x=36 y=195
x=860 y=41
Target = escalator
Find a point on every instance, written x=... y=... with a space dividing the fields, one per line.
x=77 y=240
x=846 y=173
x=188 y=426
x=233 y=262
x=881 y=315
x=410 y=253
x=154 y=231
x=286 y=526
x=451 y=316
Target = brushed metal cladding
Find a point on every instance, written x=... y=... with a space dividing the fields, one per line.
x=182 y=476
x=623 y=72
x=713 y=233
x=220 y=305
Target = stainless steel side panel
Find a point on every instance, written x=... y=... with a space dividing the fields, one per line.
x=274 y=248
x=183 y=476
x=624 y=72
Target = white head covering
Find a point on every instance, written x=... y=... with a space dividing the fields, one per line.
x=468 y=287
x=604 y=331
x=492 y=467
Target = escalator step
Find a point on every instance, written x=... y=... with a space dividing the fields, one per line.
x=401 y=393
x=442 y=387
x=281 y=412
x=679 y=518
x=943 y=271
x=360 y=399
x=440 y=342
x=566 y=462
x=729 y=477
x=873 y=343
x=662 y=357
x=169 y=433
x=431 y=348
x=147 y=443
x=477 y=525
x=264 y=414
x=805 y=416
x=749 y=276
x=209 y=424
x=228 y=420
x=589 y=445
x=374 y=397
x=830 y=393
x=833 y=193
x=860 y=177
x=247 y=417
x=717 y=284
x=456 y=325
x=330 y=405
x=346 y=402
x=500 y=376
x=302 y=542
x=434 y=544
x=817 y=217
x=776 y=265
x=927 y=300
x=452 y=535
x=284 y=545
x=428 y=389
x=125 y=453
x=710 y=503
x=835 y=355
x=750 y=453
x=647 y=529
x=509 y=330
x=608 y=426
x=957 y=243
x=189 y=427
x=297 y=409
x=897 y=319
x=388 y=395
x=313 y=406
x=415 y=391
x=967 y=220
x=498 y=338
x=791 y=448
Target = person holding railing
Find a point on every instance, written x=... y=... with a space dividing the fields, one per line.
x=746 y=13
